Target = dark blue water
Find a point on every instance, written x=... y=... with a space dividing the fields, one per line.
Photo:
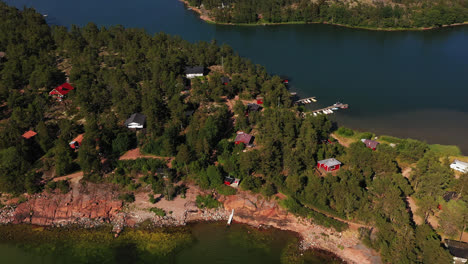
x=407 y=84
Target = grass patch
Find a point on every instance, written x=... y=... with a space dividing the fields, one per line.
x=158 y=211
x=445 y=150
x=207 y=201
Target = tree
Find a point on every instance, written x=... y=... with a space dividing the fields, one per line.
x=13 y=168
x=63 y=158
x=453 y=218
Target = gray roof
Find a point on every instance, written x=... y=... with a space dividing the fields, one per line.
x=457 y=248
x=370 y=143
x=194 y=70
x=253 y=107
x=329 y=162
x=136 y=118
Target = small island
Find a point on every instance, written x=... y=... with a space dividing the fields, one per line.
x=113 y=128
x=373 y=15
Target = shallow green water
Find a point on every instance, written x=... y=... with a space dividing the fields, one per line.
x=208 y=243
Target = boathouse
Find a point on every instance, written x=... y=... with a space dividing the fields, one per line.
x=458 y=249
x=459 y=166
x=329 y=164
x=244 y=138
x=76 y=142
x=61 y=91
x=372 y=144
x=192 y=72
x=136 y=121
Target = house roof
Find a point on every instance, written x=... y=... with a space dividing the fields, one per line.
x=449 y=196
x=457 y=248
x=62 y=89
x=78 y=139
x=370 y=143
x=253 y=107
x=460 y=163
x=329 y=162
x=29 y=134
x=194 y=70
x=136 y=118
x=243 y=137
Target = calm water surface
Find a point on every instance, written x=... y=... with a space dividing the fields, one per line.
x=214 y=243
x=407 y=84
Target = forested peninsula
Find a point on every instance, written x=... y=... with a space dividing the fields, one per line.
x=367 y=14
x=72 y=101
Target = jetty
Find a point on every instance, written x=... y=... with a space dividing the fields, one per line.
x=307 y=100
x=230 y=217
x=327 y=110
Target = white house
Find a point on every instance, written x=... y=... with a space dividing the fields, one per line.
x=136 y=120
x=459 y=166
x=192 y=72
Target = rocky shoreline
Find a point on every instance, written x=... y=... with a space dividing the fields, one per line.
x=93 y=205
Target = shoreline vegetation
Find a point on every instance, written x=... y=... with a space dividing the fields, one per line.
x=209 y=19
x=174 y=170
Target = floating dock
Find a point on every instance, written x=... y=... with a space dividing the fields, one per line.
x=308 y=100
x=327 y=110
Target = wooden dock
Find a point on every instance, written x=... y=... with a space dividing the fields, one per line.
x=308 y=100
x=326 y=110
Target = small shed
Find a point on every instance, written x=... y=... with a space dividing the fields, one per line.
x=61 y=90
x=231 y=181
x=29 y=134
x=253 y=107
x=225 y=80
x=259 y=100
x=76 y=142
x=331 y=164
x=192 y=72
x=372 y=144
x=458 y=249
x=136 y=121
x=459 y=166
x=243 y=138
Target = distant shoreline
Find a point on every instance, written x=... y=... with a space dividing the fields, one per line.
x=212 y=21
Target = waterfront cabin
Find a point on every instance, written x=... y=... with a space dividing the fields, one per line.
x=76 y=142
x=61 y=91
x=225 y=80
x=192 y=72
x=459 y=166
x=458 y=249
x=244 y=138
x=136 y=121
x=329 y=165
x=29 y=134
x=372 y=144
x=231 y=181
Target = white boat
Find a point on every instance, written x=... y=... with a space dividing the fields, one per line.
x=308 y=101
x=315 y=114
x=313 y=100
x=330 y=111
x=230 y=217
x=325 y=112
x=335 y=108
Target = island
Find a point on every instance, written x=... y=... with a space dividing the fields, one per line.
x=113 y=127
x=374 y=14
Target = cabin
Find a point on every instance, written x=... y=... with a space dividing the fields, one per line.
x=192 y=72
x=372 y=144
x=459 y=166
x=136 y=121
x=259 y=100
x=329 y=164
x=29 y=134
x=231 y=181
x=225 y=80
x=61 y=91
x=76 y=142
x=244 y=138
x=458 y=249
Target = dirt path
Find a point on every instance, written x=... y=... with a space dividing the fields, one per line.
x=414 y=208
x=135 y=154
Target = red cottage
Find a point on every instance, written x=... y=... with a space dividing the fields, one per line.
x=329 y=164
x=61 y=90
x=370 y=143
x=76 y=142
x=243 y=138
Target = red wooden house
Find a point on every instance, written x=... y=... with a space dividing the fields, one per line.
x=329 y=164
x=243 y=138
x=61 y=90
x=76 y=142
x=370 y=143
